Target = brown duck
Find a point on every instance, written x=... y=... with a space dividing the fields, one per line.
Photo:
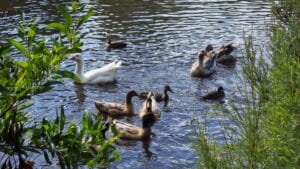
x=133 y=132
x=116 y=109
x=216 y=94
x=159 y=97
x=225 y=49
x=117 y=44
x=223 y=53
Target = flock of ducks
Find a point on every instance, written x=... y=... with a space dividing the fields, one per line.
x=149 y=111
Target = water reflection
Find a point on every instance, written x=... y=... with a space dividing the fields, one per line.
x=146 y=146
x=164 y=37
x=80 y=92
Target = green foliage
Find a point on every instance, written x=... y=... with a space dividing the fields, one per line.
x=37 y=72
x=268 y=134
x=72 y=143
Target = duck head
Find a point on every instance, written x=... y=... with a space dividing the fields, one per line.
x=168 y=88
x=148 y=120
x=201 y=55
x=108 y=41
x=209 y=48
x=220 y=89
x=132 y=93
x=76 y=58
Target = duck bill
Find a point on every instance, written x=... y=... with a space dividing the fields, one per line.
x=72 y=57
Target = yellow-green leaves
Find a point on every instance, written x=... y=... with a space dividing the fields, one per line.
x=19 y=47
x=68 y=18
x=58 y=26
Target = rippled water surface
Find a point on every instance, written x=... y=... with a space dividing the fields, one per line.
x=164 y=37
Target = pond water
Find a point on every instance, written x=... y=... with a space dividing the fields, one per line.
x=164 y=37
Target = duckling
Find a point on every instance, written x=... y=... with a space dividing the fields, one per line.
x=116 y=109
x=118 y=44
x=132 y=132
x=216 y=94
x=159 y=97
x=150 y=104
x=205 y=65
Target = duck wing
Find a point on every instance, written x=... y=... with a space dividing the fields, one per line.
x=127 y=131
x=107 y=71
x=110 y=108
x=213 y=95
x=158 y=97
x=143 y=95
x=209 y=62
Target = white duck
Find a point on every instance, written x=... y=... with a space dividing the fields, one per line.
x=205 y=65
x=105 y=74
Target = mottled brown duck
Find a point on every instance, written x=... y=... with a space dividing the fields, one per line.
x=116 y=110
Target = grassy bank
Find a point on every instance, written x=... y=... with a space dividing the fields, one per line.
x=268 y=134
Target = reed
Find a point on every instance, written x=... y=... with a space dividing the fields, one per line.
x=267 y=133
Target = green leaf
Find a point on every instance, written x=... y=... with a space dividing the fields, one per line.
x=75 y=5
x=32 y=30
x=62 y=9
x=62 y=118
x=74 y=50
x=19 y=46
x=24 y=106
x=85 y=17
x=3 y=90
x=89 y=14
x=42 y=89
x=68 y=74
x=47 y=157
x=23 y=65
x=58 y=26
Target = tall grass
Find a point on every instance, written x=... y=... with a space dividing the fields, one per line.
x=268 y=134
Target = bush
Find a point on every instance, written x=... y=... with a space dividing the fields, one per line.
x=268 y=126
x=37 y=72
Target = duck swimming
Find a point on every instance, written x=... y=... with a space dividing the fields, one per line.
x=205 y=65
x=159 y=97
x=225 y=49
x=133 y=132
x=117 y=44
x=150 y=103
x=116 y=110
x=105 y=74
x=223 y=53
x=217 y=94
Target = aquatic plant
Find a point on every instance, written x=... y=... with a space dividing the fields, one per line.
x=267 y=132
x=34 y=70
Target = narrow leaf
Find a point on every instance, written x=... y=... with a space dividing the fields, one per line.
x=47 y=157
x=68 y=74
x=3 y=90
x=62 y=9
x=58 y=26
x=62 y=118
x=75 y=5
x=89 y=14
x=19 y=46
